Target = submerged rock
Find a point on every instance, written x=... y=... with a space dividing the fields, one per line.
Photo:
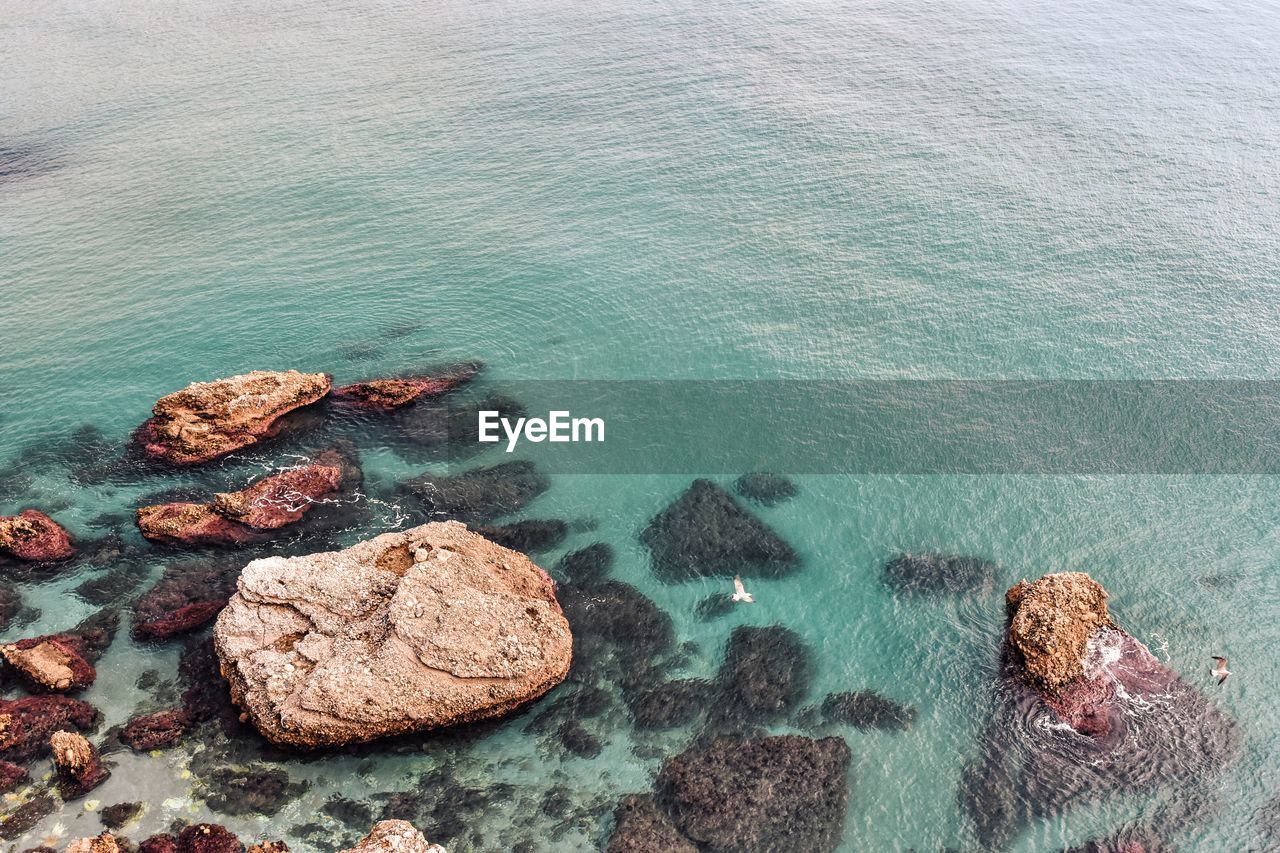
x=51 y=663
x=120 y=814
x=252 y=790
x=207 y=838
x=706 y=533
x=478 y=495
x=187 y=596
x=437 y=425
x=765 y=488
x=670 y=704
x=27 y=723
x=406 y=632
x=78 y=765
x=1083 y=711
x=765 y=674
x=206 y=420
x=11 y=776
x=621 y=615
x=33 y=536
x=158 y=730
x=866 y=709
x=25 y=817
x=766 y=795
x=586 y=565
x=394 y=836
x=526 y=536
x=388 y=394
x=928 y=574
x=253 y=513
x=642 y=827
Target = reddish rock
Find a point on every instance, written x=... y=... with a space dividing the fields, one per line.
x=51 y=663
x=158 y=730
x=104 y=843
x=27 y=723
x=206 y=420
x=32 y=535
x=78 y=765
x=11 y=776
x=388 y=394
x=269 y=847
x=248 y=515
x=208 y=838
x=159 y=844
x=188 y=595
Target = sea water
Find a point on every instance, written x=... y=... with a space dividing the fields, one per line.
x=674 y=190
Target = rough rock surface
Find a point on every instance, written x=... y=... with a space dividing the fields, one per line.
x=188 y=595
x=388 y=394
x=32 y=535
x=409 y=631
x=642 y=827
x=78 y=765
x=207 y=838
x=269 y=847
x=1083 y=711
x=394 y=836
x=206 y=420
x=11 y=776
x=250 y=514
x=706 y=533
x=158 y=730
x=52 y=663
x=27 y=723
x=1051 y=622
x=776 y=794
x=104 y=843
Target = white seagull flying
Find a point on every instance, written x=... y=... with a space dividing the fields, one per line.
x=739 y=593
x=1220 y=671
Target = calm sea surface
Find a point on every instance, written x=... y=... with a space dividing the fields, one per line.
x=684 y=190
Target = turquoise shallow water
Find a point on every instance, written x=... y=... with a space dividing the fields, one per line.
x=679 y=190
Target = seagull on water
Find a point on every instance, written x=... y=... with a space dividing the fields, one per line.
x=739 y=593
x=1220 y=671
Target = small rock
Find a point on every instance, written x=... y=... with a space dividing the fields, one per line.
x=394 y=836
x=31 y=535
x=54 y=663
x=78 y=765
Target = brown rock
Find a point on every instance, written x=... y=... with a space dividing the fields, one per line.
x=388 y=394
x=409 y=631
x=11 y=776
x=32 y=535
x=52 y=663
x=394 y=836
x=207 y=838
x=1051 y=622
x=206 y=420
x=79 y=767
x=104 y=843
x=248 y=515
x=269 y=847
x=159 y=844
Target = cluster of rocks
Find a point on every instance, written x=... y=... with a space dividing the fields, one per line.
x=390 y=836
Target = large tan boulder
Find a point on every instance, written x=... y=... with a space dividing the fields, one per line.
x=1051 y=622
x=409 y=631
x=206 y=420
x=394 y=836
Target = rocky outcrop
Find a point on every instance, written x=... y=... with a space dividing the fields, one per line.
x=251 y=514
x=158 y=730
x=406 y=632
x=706 y=533
x=208 y=838
x=53 y=663
x=766 y=795
x=206 y=420
x=187 y=595
x=1083 y=711
x=27 y=723
x=394 y=836
x=389 y=394
x=77 y=763
x=32 y=535
x=1050 y=624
